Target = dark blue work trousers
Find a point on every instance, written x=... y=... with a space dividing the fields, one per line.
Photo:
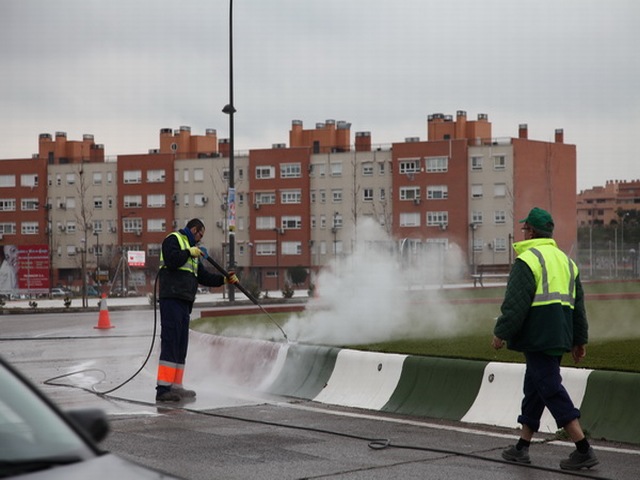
x=174 y=338
x=543 y=388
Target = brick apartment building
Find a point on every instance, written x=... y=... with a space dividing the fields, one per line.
x=296 y=206
x=602 y=205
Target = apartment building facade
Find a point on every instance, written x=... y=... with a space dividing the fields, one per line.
x=296 y=206
x=603 y=205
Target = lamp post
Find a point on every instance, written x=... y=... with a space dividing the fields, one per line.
x=278 y=232
x=472 y=227
x=97 y=234
x=625 y=215
x=229 y=109
x=334 y=230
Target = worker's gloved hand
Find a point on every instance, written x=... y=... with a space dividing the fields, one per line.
x=232 y=278
x=205 y=254
x=195 y=252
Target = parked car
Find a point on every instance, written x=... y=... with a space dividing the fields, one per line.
x=38 y=437
x=92 y=291
x=60 y=292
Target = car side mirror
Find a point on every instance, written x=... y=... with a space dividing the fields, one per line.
x=92 y=421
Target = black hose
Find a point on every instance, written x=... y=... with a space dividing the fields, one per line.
x=248 y=294
x=51 y=381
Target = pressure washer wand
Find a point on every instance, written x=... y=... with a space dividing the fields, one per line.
x=248 y=294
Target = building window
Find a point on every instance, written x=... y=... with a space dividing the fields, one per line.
x=265 y=172
x=28 y=180
x=8 y=205
x=336 y=221
x=437 y=219
x=291 y=248
x=155 y=176
x=291 y=222
x=336 y=195
x=7 y=180
x=409 y=165
x=323 y=196
x=29 y=228
x=97 y=178
x=317 y=169
x=336 y=169
x=265 y=223
x=367 y=169
x=437 y=192
x=410 y=219
x=154 y=249
x=200 y=199
x=383 y=194
x=156 y=225
x=265 y=198
x=476 y=217
x=131 y=201
x=8 y=228
x=476 y=163
x=367 y=195
x=132 y=225
x=132 y=176
x=437 y=164
x=500 y=217
x=499 y=162
x=156 y=201
x=97 y=203
x=500 y=190
x=476 y=191
x=198 y=175
x=291 y=196
x=290 y=170
x=265 y=249
x=500 y=244
x=29 y=204
x=409 y=193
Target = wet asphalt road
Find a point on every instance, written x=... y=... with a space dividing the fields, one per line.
x=232 y=433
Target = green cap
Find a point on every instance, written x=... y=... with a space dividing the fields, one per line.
x=540 y=220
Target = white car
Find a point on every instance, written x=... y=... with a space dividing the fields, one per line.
x=60 y=292
x=39 y=441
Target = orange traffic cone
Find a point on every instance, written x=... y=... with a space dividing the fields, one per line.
x=103 y=319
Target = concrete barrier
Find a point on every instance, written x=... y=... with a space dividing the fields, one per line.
x=474 y=392
x=362 y=379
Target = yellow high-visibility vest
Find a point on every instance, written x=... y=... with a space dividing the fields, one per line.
x=191 y=264
x=555 y=274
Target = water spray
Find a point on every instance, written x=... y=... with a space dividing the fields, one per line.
x=248 y=294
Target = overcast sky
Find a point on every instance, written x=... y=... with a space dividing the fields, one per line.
x=123 y=69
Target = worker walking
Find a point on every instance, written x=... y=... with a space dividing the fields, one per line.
x=543 y=315
x=181 y=271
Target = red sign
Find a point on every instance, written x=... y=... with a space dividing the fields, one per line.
x=31 y=267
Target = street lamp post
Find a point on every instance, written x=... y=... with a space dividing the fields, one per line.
x=278 y=232
x=473 y=227
x=622 y=240
x=229 y=109
x=334 y=230
x=97 y=234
